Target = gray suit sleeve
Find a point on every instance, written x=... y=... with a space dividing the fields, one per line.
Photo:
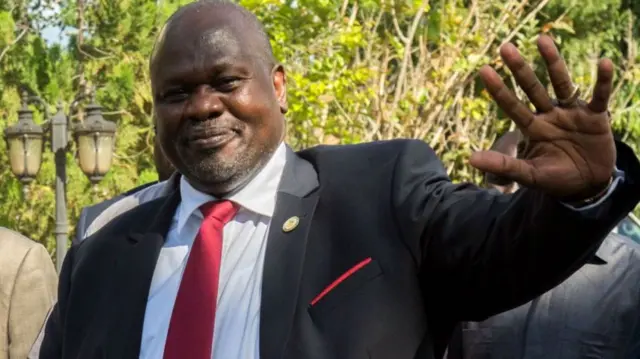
x=634 y=346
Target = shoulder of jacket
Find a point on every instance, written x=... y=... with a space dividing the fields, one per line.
x=140 y=188
x=17 y=239
x=126 y=215
x=117 y=206
x=386 y=146
x=148 y=187
x=16 y=245
x=152 y=191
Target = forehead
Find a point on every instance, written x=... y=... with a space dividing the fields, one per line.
x=198 y=46
x=185 y=43
x=219 y=41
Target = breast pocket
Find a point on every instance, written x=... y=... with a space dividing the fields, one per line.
x=350 y=283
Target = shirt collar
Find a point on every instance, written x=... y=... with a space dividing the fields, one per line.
x=258 y=196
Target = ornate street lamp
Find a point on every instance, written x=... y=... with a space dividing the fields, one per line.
x=95 y=138
x=25 y=140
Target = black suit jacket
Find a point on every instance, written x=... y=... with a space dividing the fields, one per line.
x=434 y=253
x=90 y=213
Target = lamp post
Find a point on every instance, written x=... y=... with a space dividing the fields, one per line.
x=25 y=141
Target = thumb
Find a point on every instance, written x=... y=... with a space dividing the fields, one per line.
x=504 y=166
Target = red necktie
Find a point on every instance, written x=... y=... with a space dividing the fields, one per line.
x=194 y=312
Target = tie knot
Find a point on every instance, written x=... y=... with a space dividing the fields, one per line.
x=222 y=211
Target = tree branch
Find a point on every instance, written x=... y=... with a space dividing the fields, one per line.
x=14 y=42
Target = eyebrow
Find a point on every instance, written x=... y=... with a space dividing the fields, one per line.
x=183 y=71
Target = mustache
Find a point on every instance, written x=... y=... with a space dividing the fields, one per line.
x=206 y=129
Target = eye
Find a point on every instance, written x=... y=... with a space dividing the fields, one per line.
x=227 y=84
x=174 y=95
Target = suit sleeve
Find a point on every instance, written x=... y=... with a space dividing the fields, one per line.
x=33 y=294
x=482 y=253
x=51 y=346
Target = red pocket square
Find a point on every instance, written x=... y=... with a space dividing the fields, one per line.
x=340 y=279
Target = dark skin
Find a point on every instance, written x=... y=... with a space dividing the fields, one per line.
x=570 y=152
x=220 y=110
x=219 y=106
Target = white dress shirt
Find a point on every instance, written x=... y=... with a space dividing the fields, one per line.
x=237 y=323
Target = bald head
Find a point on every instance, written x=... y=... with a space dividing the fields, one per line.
x=216 y=21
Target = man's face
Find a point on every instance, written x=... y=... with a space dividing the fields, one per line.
x=219 y=107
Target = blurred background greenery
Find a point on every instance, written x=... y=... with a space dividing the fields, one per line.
x=358 y=70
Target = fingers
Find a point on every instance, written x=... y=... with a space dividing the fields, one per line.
x=556 y=67
x=506 y=99
x=526 y=78
x=604 y=85
x=504 y=166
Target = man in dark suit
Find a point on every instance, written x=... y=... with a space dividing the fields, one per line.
x=361 y=251
x=595 y=313
x=95 y=217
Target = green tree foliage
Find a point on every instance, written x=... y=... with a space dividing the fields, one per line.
x=358 y=70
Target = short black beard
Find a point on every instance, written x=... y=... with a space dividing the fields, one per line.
x=219 y=178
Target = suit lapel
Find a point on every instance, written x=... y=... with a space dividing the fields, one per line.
x=284 y=259
x=131 y=281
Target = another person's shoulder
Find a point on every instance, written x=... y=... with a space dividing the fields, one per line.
x=14 y=247
x=15 y=240
x=617 y=243
x=622 y=257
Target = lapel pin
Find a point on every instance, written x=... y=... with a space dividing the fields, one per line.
x=290 y=224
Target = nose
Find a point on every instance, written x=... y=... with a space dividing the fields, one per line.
x=204 y=104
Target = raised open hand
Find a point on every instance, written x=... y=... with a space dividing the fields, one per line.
x=570 y=152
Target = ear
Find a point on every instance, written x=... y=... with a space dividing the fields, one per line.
x=280 y=85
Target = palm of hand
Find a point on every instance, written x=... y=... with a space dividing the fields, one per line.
x=569 y=152
x=572 y=149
